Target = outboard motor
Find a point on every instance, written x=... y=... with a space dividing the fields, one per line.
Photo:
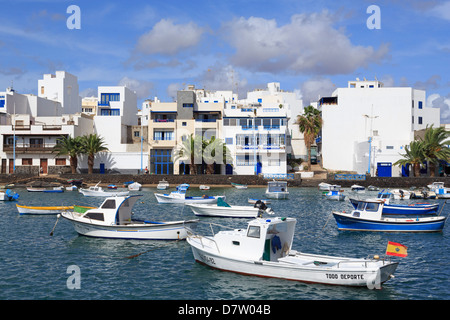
x=262 y=208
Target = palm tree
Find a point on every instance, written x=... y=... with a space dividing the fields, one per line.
x=414 y=156
x=209 y=153
x=72 y=147
x=92 y=144
x=310 y=124
x=191 y=148
x=435 y=146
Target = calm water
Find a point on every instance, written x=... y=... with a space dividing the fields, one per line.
x=34 y=264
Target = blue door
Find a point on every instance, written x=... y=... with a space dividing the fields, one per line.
x=102 y=168
x=384 y=169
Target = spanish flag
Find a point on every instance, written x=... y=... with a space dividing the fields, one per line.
x=396 y=249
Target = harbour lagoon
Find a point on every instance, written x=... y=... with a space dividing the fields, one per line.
x=37 y=266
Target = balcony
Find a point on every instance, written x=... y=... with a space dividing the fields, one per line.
x=29 y=148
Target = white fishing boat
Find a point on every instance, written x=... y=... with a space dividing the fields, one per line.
x=179 y=196
x=97 y=191
x=50 y=190
x=264 y=249
x=203 y=187
x=223 y=209
x=113 y=219
x=323 y=186
x=163 y=185
x=277 y=190
x=358 y=188
x=239 y=186
x=401 y=194
x=135 y=186
x=440 y=191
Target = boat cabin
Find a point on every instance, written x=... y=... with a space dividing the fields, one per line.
x=113 y=211
x=264 y=239
x=371 y=209
x=385 y=196
x=277 y=186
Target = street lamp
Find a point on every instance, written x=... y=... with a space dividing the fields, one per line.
x=371 y=117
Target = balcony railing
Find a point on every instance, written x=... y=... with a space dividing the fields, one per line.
x=28 y=148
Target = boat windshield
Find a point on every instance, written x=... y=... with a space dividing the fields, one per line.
x=373 y=207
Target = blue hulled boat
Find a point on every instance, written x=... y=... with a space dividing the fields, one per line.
x=368 y=216
x=403 y=209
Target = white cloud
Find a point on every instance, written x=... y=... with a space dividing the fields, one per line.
x=308 y=44
x=441 y=11
x=316 y=88
x=142 y=87
x=169 y=38
x=435 y=100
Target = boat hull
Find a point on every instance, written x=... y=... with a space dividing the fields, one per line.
x=277 y=195
x=175 y=230
x=167 y=198
x=34 y=210
x=211 y=210
x=429 y=224
x=349 y=275
x=90 y=193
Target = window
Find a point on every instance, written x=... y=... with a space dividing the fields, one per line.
x=36 y=142
x=420 y=105
x=42 y=89
x=163 y=135
x=95 y=216
x=188 y=105
x=60 y=162
x=105 y=98
x=184 y=123
x=373 y=207
x=420 y=120
x=137 y=134
x=109 y=204
x=228 y=140
x=390 y=147
x=412 y=119
x=110 y=112
x=253 y=232
x=27 y=162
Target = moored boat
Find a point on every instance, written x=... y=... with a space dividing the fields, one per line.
x=179 y=196
x=48 y=190
x=239 y=186
x=135 y=186
x=277 y=190
x=253 y=201
x=368 y=216
x=203 y=187
x=264 y=249
x=223 y=209
x=97 y=191
x=163 y=185
x=113 y=219
x=8 y=195
x=44 y=210
x=358 y=188
x=335 y=193
x=400 y=194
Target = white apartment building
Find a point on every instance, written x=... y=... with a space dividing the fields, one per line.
x=367 y=125
x=62 y=87
x=115 y=121
x=273 y=97
x=30 y=127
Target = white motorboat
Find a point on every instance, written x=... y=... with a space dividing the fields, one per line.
x=264 y=249
x=96 y=191
x=324 y=186
x=223 y=209
x=358 y=188
x=400 y=194
x=135 y=186
x=203 y=187
x=239 y=186
x=45 y=210
x=113 y=220
x=179 y=196
x=163 y=185
x=277 y=190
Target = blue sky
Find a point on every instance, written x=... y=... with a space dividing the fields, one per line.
x=158 y=47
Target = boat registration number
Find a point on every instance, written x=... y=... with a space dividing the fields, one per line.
x=345 y=276
x=206 y=259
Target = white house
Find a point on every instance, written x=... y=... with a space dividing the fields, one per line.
x=367 y=125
